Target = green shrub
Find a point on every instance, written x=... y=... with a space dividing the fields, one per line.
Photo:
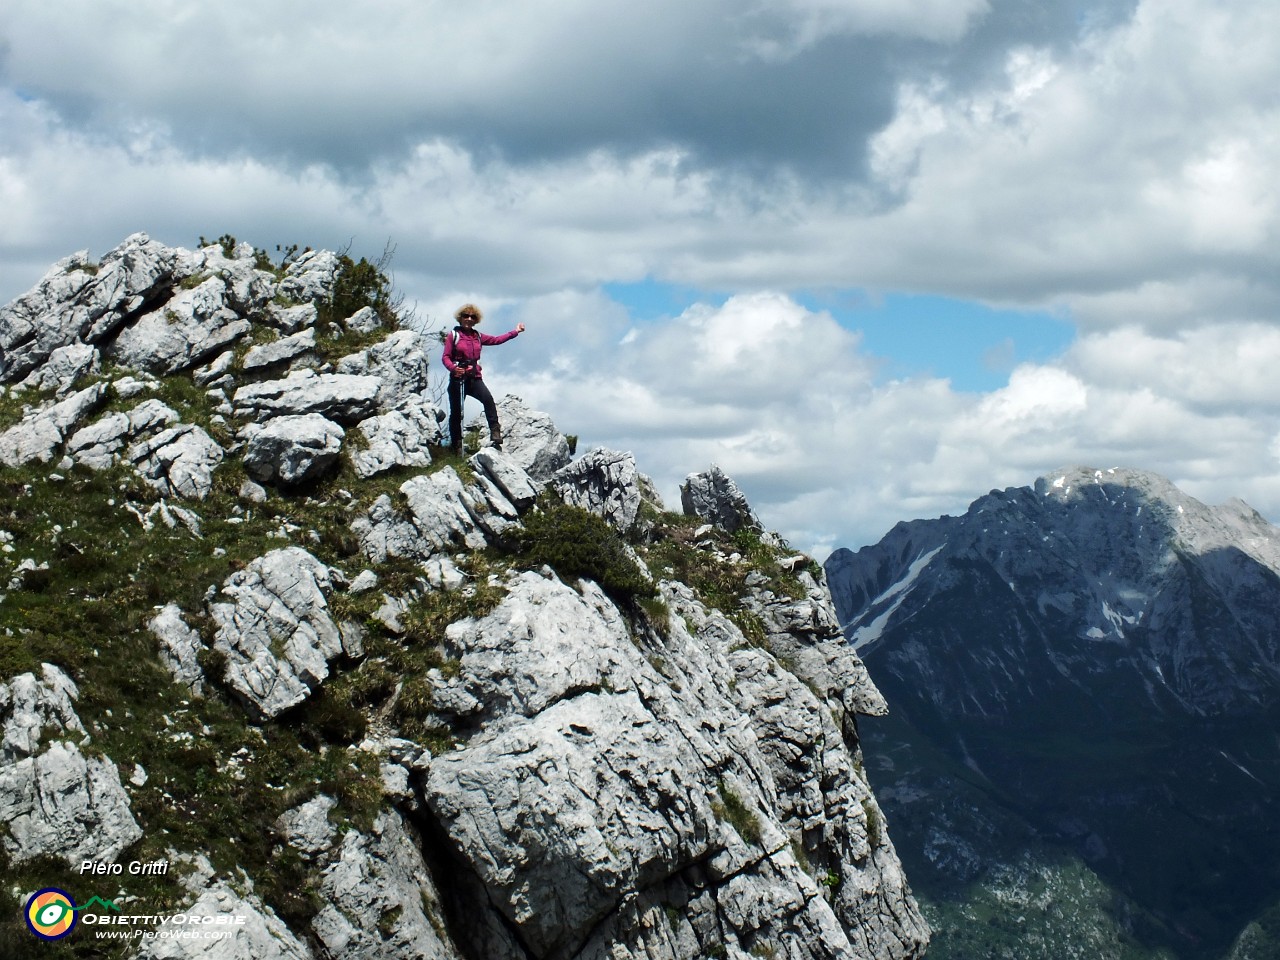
x=578 y=544
x=359 y=284
x=873 y=823
x=732 y=809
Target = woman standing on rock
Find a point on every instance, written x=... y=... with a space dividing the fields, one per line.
x=462 y=357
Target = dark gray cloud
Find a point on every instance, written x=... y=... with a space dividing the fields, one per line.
x=752 y=88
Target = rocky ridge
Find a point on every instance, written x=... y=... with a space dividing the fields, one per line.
x=381 y=701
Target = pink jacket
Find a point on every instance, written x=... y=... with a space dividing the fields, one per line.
x=468 y=345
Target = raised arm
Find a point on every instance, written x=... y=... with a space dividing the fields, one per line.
x=490 y=340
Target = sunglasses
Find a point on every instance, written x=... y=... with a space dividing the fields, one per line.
x=464 y=316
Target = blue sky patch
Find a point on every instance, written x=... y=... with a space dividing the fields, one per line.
x=972 y=345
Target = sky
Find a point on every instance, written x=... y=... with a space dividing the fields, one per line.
x=874 y=258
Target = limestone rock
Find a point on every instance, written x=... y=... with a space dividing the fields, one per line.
x=444 y=515
x=178 y=461
x=443 y=512
x=529 y=438
x=191 y=327
x=400 y=362
x=30 y=706
x=806 y=634
x=398 y=438
x=263 y=935
x=381 y=900
x=78 y=301
x=516 y=485
x=98 y=444
x=180 y=646
x=275 y=629
x=56 y=802
x=598 y=789
x=63 y=368
x=40 y=433
x=364 y=320
x=307 y=827
x=249 y=288
x=311 y=276
x=343 y=398
x=714 y=497
x=61 y=803
x=292 y=319
x=279 y=351
x=603 y=482
x=292 y=450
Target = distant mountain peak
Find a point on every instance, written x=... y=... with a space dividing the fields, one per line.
x=1102 y=650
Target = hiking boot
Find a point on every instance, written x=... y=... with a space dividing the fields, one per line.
x=495 y=436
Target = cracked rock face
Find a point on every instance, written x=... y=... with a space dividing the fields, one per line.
x=262 y=935
x=381 y=900
x=603 y=482
x=344 y=398
x=600 y=791
x=56 y=801
x=400 y=362
x=39 y=434
x=180 y=646
x=398 y=438
x=275 y=629
x=529 y=439
x=193 y=326
x=178 y=461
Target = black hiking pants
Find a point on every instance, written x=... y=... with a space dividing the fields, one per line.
x=475 y=388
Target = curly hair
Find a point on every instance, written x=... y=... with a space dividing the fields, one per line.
x=468 y=308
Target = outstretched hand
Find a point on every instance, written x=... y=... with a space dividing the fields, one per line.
x=519 y=328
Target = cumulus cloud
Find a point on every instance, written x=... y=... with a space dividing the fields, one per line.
x=787 y=401
x=1112 y=163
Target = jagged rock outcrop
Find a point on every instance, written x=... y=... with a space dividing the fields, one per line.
x=99 y=444
x=192 y=326
x=381 y=899
x=606 y=794
x=63 y=368
x=56 y=801
x=341 y=397
x=258 y=935
x=280 y=351
x=311 y=276
x=81 y=302
x=443 y=515
x=180 y=646
x=178 y=461
x=400 y=362
x=604 y=482
x=517 y=486
x=529 y=438
x=41 y=432
x=713 y=496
